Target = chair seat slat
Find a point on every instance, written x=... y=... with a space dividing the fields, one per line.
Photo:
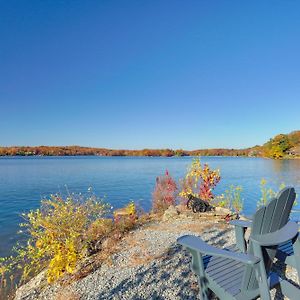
x=227 y=279
x=225 y=268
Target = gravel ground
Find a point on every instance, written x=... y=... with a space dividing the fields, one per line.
x=149 y=266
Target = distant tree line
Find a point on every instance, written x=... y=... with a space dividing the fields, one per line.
x=282 y=145
x=77 y=150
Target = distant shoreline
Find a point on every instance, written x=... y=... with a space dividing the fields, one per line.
x=88 y=151
x=142 y=156
x=282 y=146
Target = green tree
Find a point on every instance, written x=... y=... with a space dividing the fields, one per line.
x=277 y=147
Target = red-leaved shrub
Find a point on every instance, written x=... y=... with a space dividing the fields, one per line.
x=165 y=193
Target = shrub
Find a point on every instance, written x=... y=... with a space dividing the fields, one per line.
x=199 y=181
x=221 y=201
x=99 y=228
x=57 y=235
x=233 y=197
x=97 y=232
x=267 y=193
x=164 y=194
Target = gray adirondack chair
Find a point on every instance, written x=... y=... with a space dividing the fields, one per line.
x=285 y=252
x=232 y=274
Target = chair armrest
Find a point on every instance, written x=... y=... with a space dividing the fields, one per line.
x=286 y=233
x=241 y=223
x=196 y=243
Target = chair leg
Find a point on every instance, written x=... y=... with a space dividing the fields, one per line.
x=261 y=275
x=198 y=268
x=240 y=238
x=204 y=291
x=296 y=248
x=289 y=290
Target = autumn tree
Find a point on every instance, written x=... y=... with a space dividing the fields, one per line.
x=277 y=146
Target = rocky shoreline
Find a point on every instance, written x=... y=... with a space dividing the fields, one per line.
x=148 y=264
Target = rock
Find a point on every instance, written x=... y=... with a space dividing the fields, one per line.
x=170 y=213
x=182 y=208
x=222 y=211
x=105 y=243
x=31 y=289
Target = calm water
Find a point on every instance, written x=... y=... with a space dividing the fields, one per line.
x=25 y=181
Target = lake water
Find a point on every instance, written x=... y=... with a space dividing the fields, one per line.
x=24 y=181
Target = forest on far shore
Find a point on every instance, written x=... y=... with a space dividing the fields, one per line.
x=280 y=146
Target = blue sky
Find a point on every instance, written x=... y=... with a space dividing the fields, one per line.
x=156 y=74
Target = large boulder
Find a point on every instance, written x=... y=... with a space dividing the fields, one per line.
x=222 y=211
x=171 y=213
x=31 y=289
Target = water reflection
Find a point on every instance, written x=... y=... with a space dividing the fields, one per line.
x=287 y=171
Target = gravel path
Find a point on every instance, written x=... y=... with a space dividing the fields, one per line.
x=149 y=266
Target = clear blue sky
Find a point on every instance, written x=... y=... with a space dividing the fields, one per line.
x=156 y=74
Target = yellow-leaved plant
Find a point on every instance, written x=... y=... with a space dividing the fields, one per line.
x=267 y=193
x=234 y=199
x=199 y=181
x=57 y=235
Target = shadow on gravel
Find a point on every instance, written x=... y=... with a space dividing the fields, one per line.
x=168 y=277
x=218 y=238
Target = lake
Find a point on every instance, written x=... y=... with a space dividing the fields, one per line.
x=24 y=181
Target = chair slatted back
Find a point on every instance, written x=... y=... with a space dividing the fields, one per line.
x=267 y=219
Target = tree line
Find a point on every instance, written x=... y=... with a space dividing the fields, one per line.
x=280 y=146
x=78 y=150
